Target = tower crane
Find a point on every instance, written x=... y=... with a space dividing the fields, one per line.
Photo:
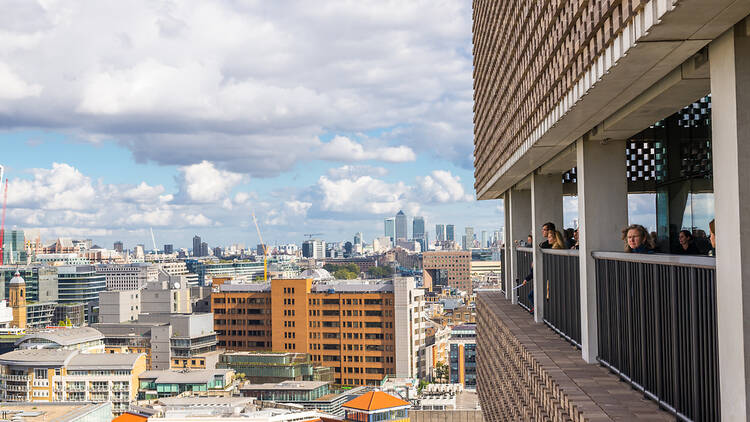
x=265 y=249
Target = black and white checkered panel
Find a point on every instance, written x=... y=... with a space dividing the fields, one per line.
x=644 y=160
x=697 y=114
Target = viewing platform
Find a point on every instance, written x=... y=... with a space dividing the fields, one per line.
x=537 y=375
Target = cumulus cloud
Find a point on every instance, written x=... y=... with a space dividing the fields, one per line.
x=441 y=186
x=291 y=212
x=62 y=187
x=205 y=183
x=161 y=81
x=341 y=148
x=352 y=171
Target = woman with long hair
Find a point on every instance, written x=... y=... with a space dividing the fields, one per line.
x=637 y=239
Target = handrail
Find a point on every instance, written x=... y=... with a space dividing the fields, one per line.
x=561 y=252
x=525 y=249
x=694 y=261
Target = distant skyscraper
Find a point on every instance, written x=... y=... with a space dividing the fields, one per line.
x=196 y=245
x=204 y=249
x=358 y=238
x=389 y=225
x=469 y=238
x=118 y=246
x=402 y=230
x=464 y=246
x=168 y=249
x=218 y=252
x=484 y=239
x=259 y=249
x=314 y=249
x=450 y=232
x=440 y=232
x=417 y=228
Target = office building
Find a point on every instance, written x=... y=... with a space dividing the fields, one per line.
x=197 y=246
x=447 y=269
x=358 y=238
x=155 y=384
x=14 y=247
x=120 y=277
x=119 y=306
x=168 y=295
x=389 y=228
x=58 y=375
x=450 y=232
x=314 y=248
x=206 y=270
x=418 y=228
x=483 y=242
x=468 y=239
x=401 y=226
x=204 y=249
x=168 y=249
x=81 y=284
x=462 y=345
x=348 y=326
x=260 y=367
x=40 y=281
x=118 y=246
x=440 y=232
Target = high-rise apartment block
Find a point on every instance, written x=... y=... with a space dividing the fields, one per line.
x=197 y=245
x=120 y=277
x=450 y=232
x=352 y=327
x=448 y=269
x=402 y=229
x=440 y=232
x=389 y=228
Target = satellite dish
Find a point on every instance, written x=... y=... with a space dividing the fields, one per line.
x=177 y=285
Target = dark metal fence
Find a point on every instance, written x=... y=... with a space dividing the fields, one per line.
x=502 y=270
x=524 y=260
x=657 y=328
x=562 y=308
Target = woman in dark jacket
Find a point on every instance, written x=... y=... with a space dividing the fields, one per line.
x=687 y=246
x=637 y=239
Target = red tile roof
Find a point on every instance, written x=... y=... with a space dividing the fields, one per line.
x=375 y=400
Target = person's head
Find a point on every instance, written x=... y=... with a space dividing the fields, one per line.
x=530 y=240
x=575 y=235
x=559 y=241
x=569 y=233
x=712 y=229
x=636 y=236
x=685 y=237
x=546 y=228
x=550 y=236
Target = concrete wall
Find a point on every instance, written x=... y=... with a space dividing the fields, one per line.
x=119 y=306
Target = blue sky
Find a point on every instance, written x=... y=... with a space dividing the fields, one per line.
x=187 y=116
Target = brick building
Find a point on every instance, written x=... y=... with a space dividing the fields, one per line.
x=447 y=268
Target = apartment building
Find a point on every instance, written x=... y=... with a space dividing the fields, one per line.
x=348 y=326
x=447 y=269
x=462 y=345
x=82 y=339
x=56 y=375
x=127 y=276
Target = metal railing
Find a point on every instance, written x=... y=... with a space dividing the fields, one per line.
x=502 y=270
x=657 y=328
x=562 y=280
x=524 y=259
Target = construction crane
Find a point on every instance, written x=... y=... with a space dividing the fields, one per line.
x=311 y=235
x=265 y=249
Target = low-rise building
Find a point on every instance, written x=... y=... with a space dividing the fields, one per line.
x=463 y=355
x=83 y=339
x=127 y=276
x=58 y=375
x=260 y=367
x=119 y=306
x=159 y=384
x=377 y=406
x=286 y=391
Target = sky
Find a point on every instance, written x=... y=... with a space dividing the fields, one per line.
x=186 y=117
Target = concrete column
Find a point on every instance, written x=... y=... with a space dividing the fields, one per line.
x=508 y=279
x=520 y=227
x=602 y=214
x=546 y=206
x=730 y=96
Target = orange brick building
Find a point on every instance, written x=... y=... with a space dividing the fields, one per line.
x=346 y=326
x=447 y=268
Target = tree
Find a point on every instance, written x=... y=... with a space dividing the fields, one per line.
x=441 y=372
x=380 y=272
x=344 y=274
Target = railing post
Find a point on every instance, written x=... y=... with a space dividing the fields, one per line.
x=602 y=213
x=520 y=227
x=508 y=251
x=730 y=102
x=546 y=206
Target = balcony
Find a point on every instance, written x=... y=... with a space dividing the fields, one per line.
x=15 y=378
x=656 y=322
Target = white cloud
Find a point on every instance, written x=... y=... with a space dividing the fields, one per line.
x=62 y=187
x=441 y=186
x=197 y=220
x=145 y=193
x=362 y=194
x=293 y=211
x=161 y=81
x=204 y=183
x=341 y=148
x=352 y=171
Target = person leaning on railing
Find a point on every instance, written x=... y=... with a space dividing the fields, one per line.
x=637 y=239
x=687 y=244
x=555 y=240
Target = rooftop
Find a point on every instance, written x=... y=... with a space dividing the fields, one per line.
x=184 y=377
x=84 y=361
x=58 y=412
x=286 y=385
x=353 y=288
x=374 y=401
x=37 y=357
x=245 y=287
x=65 y=336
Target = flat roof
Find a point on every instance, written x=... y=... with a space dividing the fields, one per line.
x=184 y=377
x=353 y=288
x=245 y=287
x=58 y=411
x=37 y=357
x=84 y=361
x=285 y=385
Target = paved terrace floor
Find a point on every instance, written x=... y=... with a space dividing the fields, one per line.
x=595 y=393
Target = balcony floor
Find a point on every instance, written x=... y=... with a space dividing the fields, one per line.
x=551 y=381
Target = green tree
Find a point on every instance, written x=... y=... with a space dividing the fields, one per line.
x=330 y=268
x=441 y=372
x=343 y=274
x=380 y=272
